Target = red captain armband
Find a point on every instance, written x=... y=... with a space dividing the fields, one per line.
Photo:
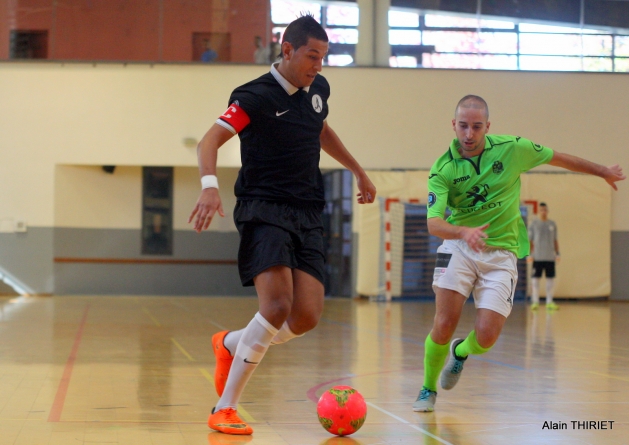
x=234 y=119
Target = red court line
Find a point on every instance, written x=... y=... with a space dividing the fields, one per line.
x=62 y=390
x=312 y=392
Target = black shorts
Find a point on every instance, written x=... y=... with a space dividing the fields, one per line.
x=546 y=266
x=278 y=234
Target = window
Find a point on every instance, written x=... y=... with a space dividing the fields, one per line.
x=470 y=61
x=336 y=15
x=446 y=40
x=472 y=42
x=403 y=19
x=447 y=21
x=621 y=46
x=284 y=11
x=566 y=44
x=342 y=35
x=405 y=37
x=340 y=59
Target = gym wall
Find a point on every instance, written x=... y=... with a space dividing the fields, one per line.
x=82 y=114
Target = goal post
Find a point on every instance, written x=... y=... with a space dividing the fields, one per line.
x=393 y=211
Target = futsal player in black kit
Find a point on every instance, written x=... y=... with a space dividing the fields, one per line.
x=280 y=119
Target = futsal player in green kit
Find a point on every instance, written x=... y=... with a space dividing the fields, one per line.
x=478 y=178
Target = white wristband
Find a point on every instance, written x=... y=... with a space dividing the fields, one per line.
x=209 y=181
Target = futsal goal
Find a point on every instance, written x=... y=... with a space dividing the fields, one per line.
x=408 y=252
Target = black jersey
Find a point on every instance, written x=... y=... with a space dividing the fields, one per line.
x=279 y=146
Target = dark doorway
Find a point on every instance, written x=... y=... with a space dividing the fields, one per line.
x=337 y=223
x=157 y=211
x=28 y=44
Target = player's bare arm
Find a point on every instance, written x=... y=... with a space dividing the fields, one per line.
x=209 y=201
x=610 y=174
x=473 y=236
x=332 y=145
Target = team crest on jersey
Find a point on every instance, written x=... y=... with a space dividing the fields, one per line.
x=497 y=167
x=432 y=199
x=317 y=103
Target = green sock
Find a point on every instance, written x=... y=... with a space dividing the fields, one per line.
x=470 y=346
x=434 y=358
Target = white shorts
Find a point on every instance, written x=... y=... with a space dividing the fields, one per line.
x=491 y=275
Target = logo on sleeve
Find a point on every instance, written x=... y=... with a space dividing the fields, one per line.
x=317 y=103
x=537 y=147
x=432 y=199
x=432 y=176
x=497 y=167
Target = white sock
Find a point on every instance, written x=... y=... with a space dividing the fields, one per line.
x=253 y=344
x=535 y=291
x=285 y=334
x=550 y=288
x=231 y=340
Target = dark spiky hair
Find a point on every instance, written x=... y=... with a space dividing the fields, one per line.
x=300 y=30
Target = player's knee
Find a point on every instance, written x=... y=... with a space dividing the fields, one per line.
x=305 y=323
x=279 y=308
x=487 y=336
x=443 y=329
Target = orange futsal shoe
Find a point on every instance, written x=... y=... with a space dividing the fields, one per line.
x=216 y=438
x=227 y=421
x=223 y=361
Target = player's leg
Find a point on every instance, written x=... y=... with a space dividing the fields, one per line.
x=291 y=328
x=550 y=286
x=308 y=276
x=449 y=306
x=265 y=259
x=453 y=280
x=493 y=295
x=274 y=287
x=537 y=274
x=308 y=295
x=487 y=329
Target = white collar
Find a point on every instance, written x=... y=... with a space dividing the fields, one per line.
x=289 y=87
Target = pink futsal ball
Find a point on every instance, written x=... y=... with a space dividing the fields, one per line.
x=342 y=410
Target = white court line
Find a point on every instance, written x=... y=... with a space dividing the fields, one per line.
x=421 y=430
x=218 y=325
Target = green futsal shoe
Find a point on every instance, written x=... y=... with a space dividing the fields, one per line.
x=552 y=306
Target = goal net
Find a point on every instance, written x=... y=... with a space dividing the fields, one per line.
x=408 y=252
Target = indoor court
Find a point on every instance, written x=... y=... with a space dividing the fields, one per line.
x=138 y=370
x=110 y=296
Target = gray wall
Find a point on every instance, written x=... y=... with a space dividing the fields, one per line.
x=139 y=279
x=28 y=258
x=620 y=266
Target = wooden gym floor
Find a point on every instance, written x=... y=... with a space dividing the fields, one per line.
x=138 y=370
